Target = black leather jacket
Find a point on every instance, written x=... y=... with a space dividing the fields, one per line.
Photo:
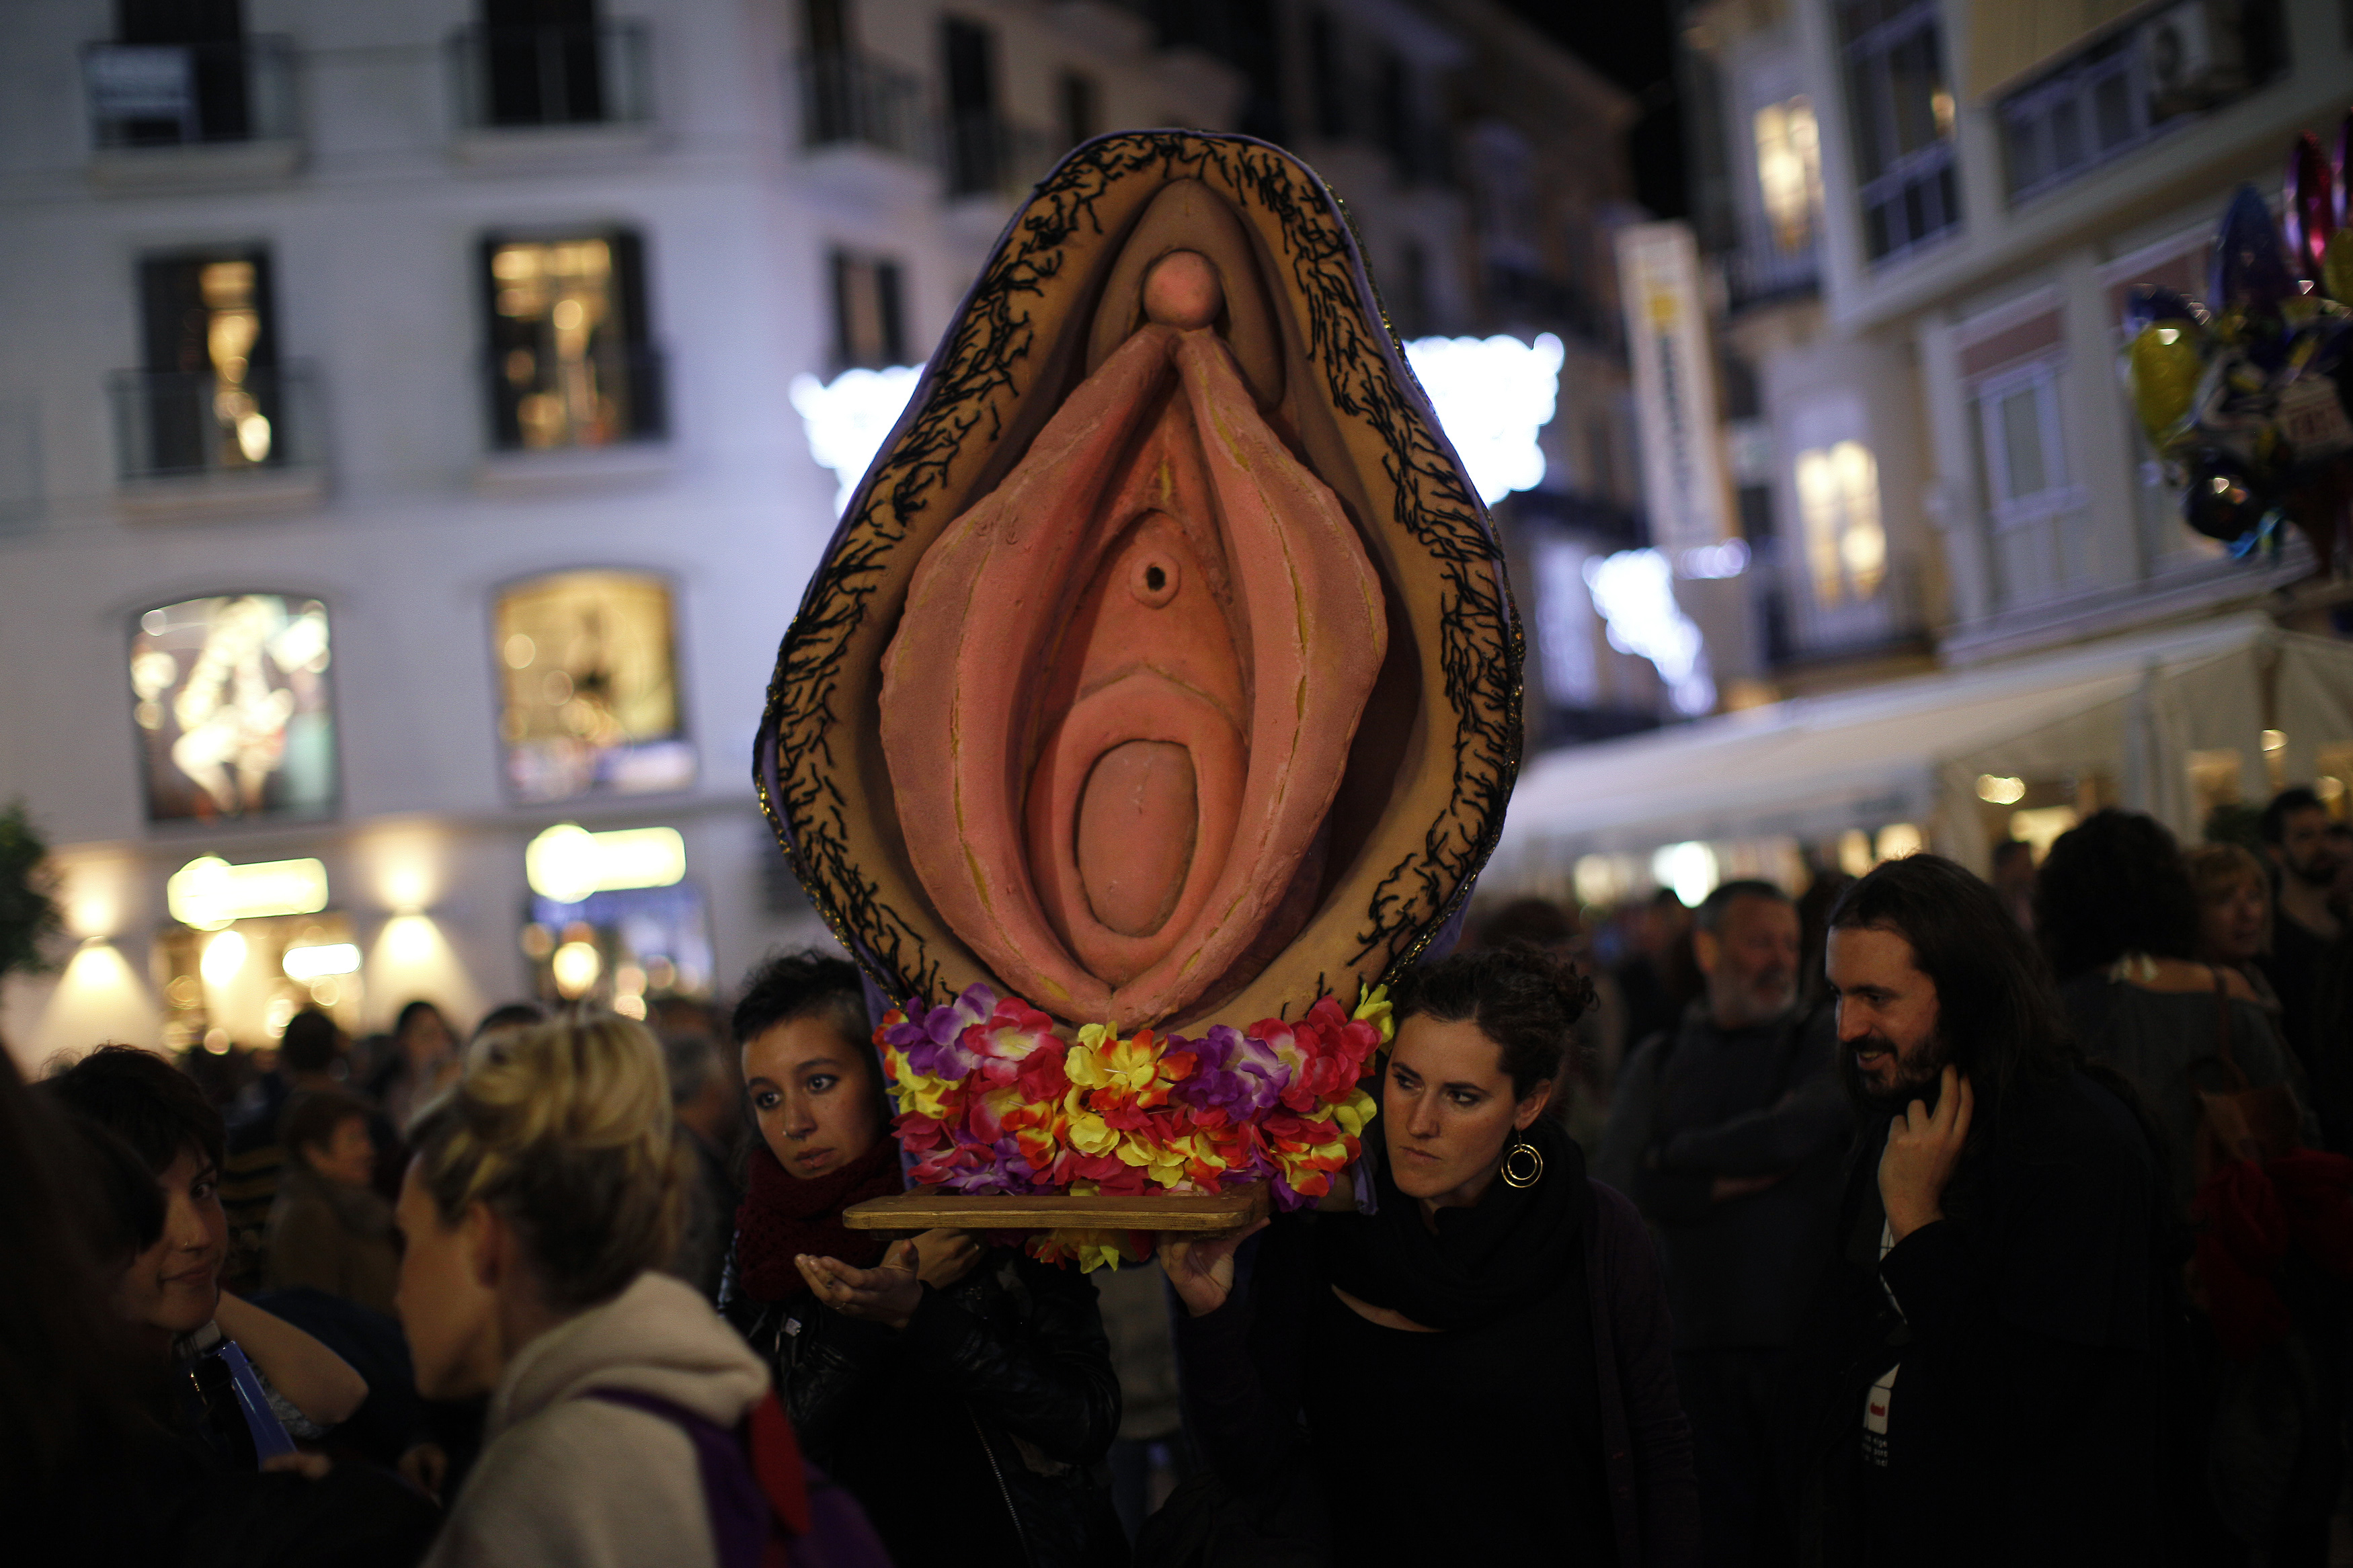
x=1008 y=1368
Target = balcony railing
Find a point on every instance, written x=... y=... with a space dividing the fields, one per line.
x=1799 y=627
x=174 y=424
x=2129 y=89
x=847 y=99
x=1761 y=273
x=521 y=78
x=175 y=95
x=607 y=397
x=987 y=155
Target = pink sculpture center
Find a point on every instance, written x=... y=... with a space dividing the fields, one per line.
x=1124 y=684
x=1139 y=820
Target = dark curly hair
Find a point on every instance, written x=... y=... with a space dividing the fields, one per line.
x=142 y=1099
x=2113 y=885
x=1995 y=1006
x=1521 y=997
x=810 y=983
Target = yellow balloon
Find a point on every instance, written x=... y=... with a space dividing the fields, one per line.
x=2165 y=360
x=2337 y=267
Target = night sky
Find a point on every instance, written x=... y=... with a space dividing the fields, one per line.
x=1631 y=42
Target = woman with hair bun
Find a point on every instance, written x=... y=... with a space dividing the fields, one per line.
x=542 y=1196
x=1483 y=1330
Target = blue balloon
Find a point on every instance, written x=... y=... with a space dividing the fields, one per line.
x=2250 y=265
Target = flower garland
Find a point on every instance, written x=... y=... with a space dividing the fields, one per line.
x=991 y=1100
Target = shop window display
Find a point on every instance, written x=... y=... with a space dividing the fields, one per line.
x=621 y=949
x=587 y=660
x=239 y=985
x=234 y=708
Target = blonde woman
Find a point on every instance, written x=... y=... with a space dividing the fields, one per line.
x=2235 y=915
x=542 y=1195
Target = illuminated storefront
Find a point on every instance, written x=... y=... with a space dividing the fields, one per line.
x=234 y=711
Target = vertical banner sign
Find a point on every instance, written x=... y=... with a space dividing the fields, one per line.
x=1674 y=387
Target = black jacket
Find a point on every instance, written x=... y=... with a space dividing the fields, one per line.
x=1240 y=1370
x=1706 y=1102
x=2031 y=1331
x=977 y=1434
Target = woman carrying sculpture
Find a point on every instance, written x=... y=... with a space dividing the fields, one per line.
x=965 y=1395
x=1479 y=1368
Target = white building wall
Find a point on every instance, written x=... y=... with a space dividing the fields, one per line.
x=373 y=238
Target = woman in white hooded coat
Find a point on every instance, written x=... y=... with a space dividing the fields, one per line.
x=543 y=1197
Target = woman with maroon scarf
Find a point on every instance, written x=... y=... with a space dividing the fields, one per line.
x=964 y=1394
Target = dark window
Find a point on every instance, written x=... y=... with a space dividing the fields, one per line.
x=868 y=326
x=973 y=134
x=541 y=61
x=1900 y=115
x=1330 y=76
x=1401 y=126
x=571 y=361
x=1602 y=449
x=2132 y=87
x=1741 y=399
x=1409 y=310
x=184 y=78
x=207 y=395
x=1080 y=103
x=829 y=27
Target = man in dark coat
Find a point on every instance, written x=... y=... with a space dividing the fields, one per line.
x=1985 y=1372
x=1727 y=1131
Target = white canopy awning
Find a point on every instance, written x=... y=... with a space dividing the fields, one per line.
x=1911 y=750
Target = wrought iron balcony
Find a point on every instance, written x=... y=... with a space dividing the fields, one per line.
x=174 y=423
x=607 y=397
x=1761 y=272
x=987 y=155
x=1802 y=627
x=176 y=95
x=849 y=100
x=524 y=77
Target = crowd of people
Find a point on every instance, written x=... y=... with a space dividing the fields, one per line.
x=1919 y=1219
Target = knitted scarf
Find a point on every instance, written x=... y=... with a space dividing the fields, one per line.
x=784 y=1216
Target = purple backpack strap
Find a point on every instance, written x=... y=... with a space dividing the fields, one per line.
x=740 y=1520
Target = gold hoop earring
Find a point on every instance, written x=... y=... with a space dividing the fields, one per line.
x=1528 y=1177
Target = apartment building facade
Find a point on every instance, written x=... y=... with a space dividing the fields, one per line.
x=1926 y=214
x=407 y=462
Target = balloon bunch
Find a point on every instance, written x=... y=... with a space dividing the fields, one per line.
x=2248 y=398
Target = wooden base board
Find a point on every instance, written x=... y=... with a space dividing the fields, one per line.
x=929 y=1209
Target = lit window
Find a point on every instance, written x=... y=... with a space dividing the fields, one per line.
x=1789 y=171
x=208 y=395
x=235 y=715
x=1838 y=502
x=570 y=363
x=591 y=686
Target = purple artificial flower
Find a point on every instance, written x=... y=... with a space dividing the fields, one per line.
x=1231 y=1073
x=985 y=1169
x=933 y=1041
